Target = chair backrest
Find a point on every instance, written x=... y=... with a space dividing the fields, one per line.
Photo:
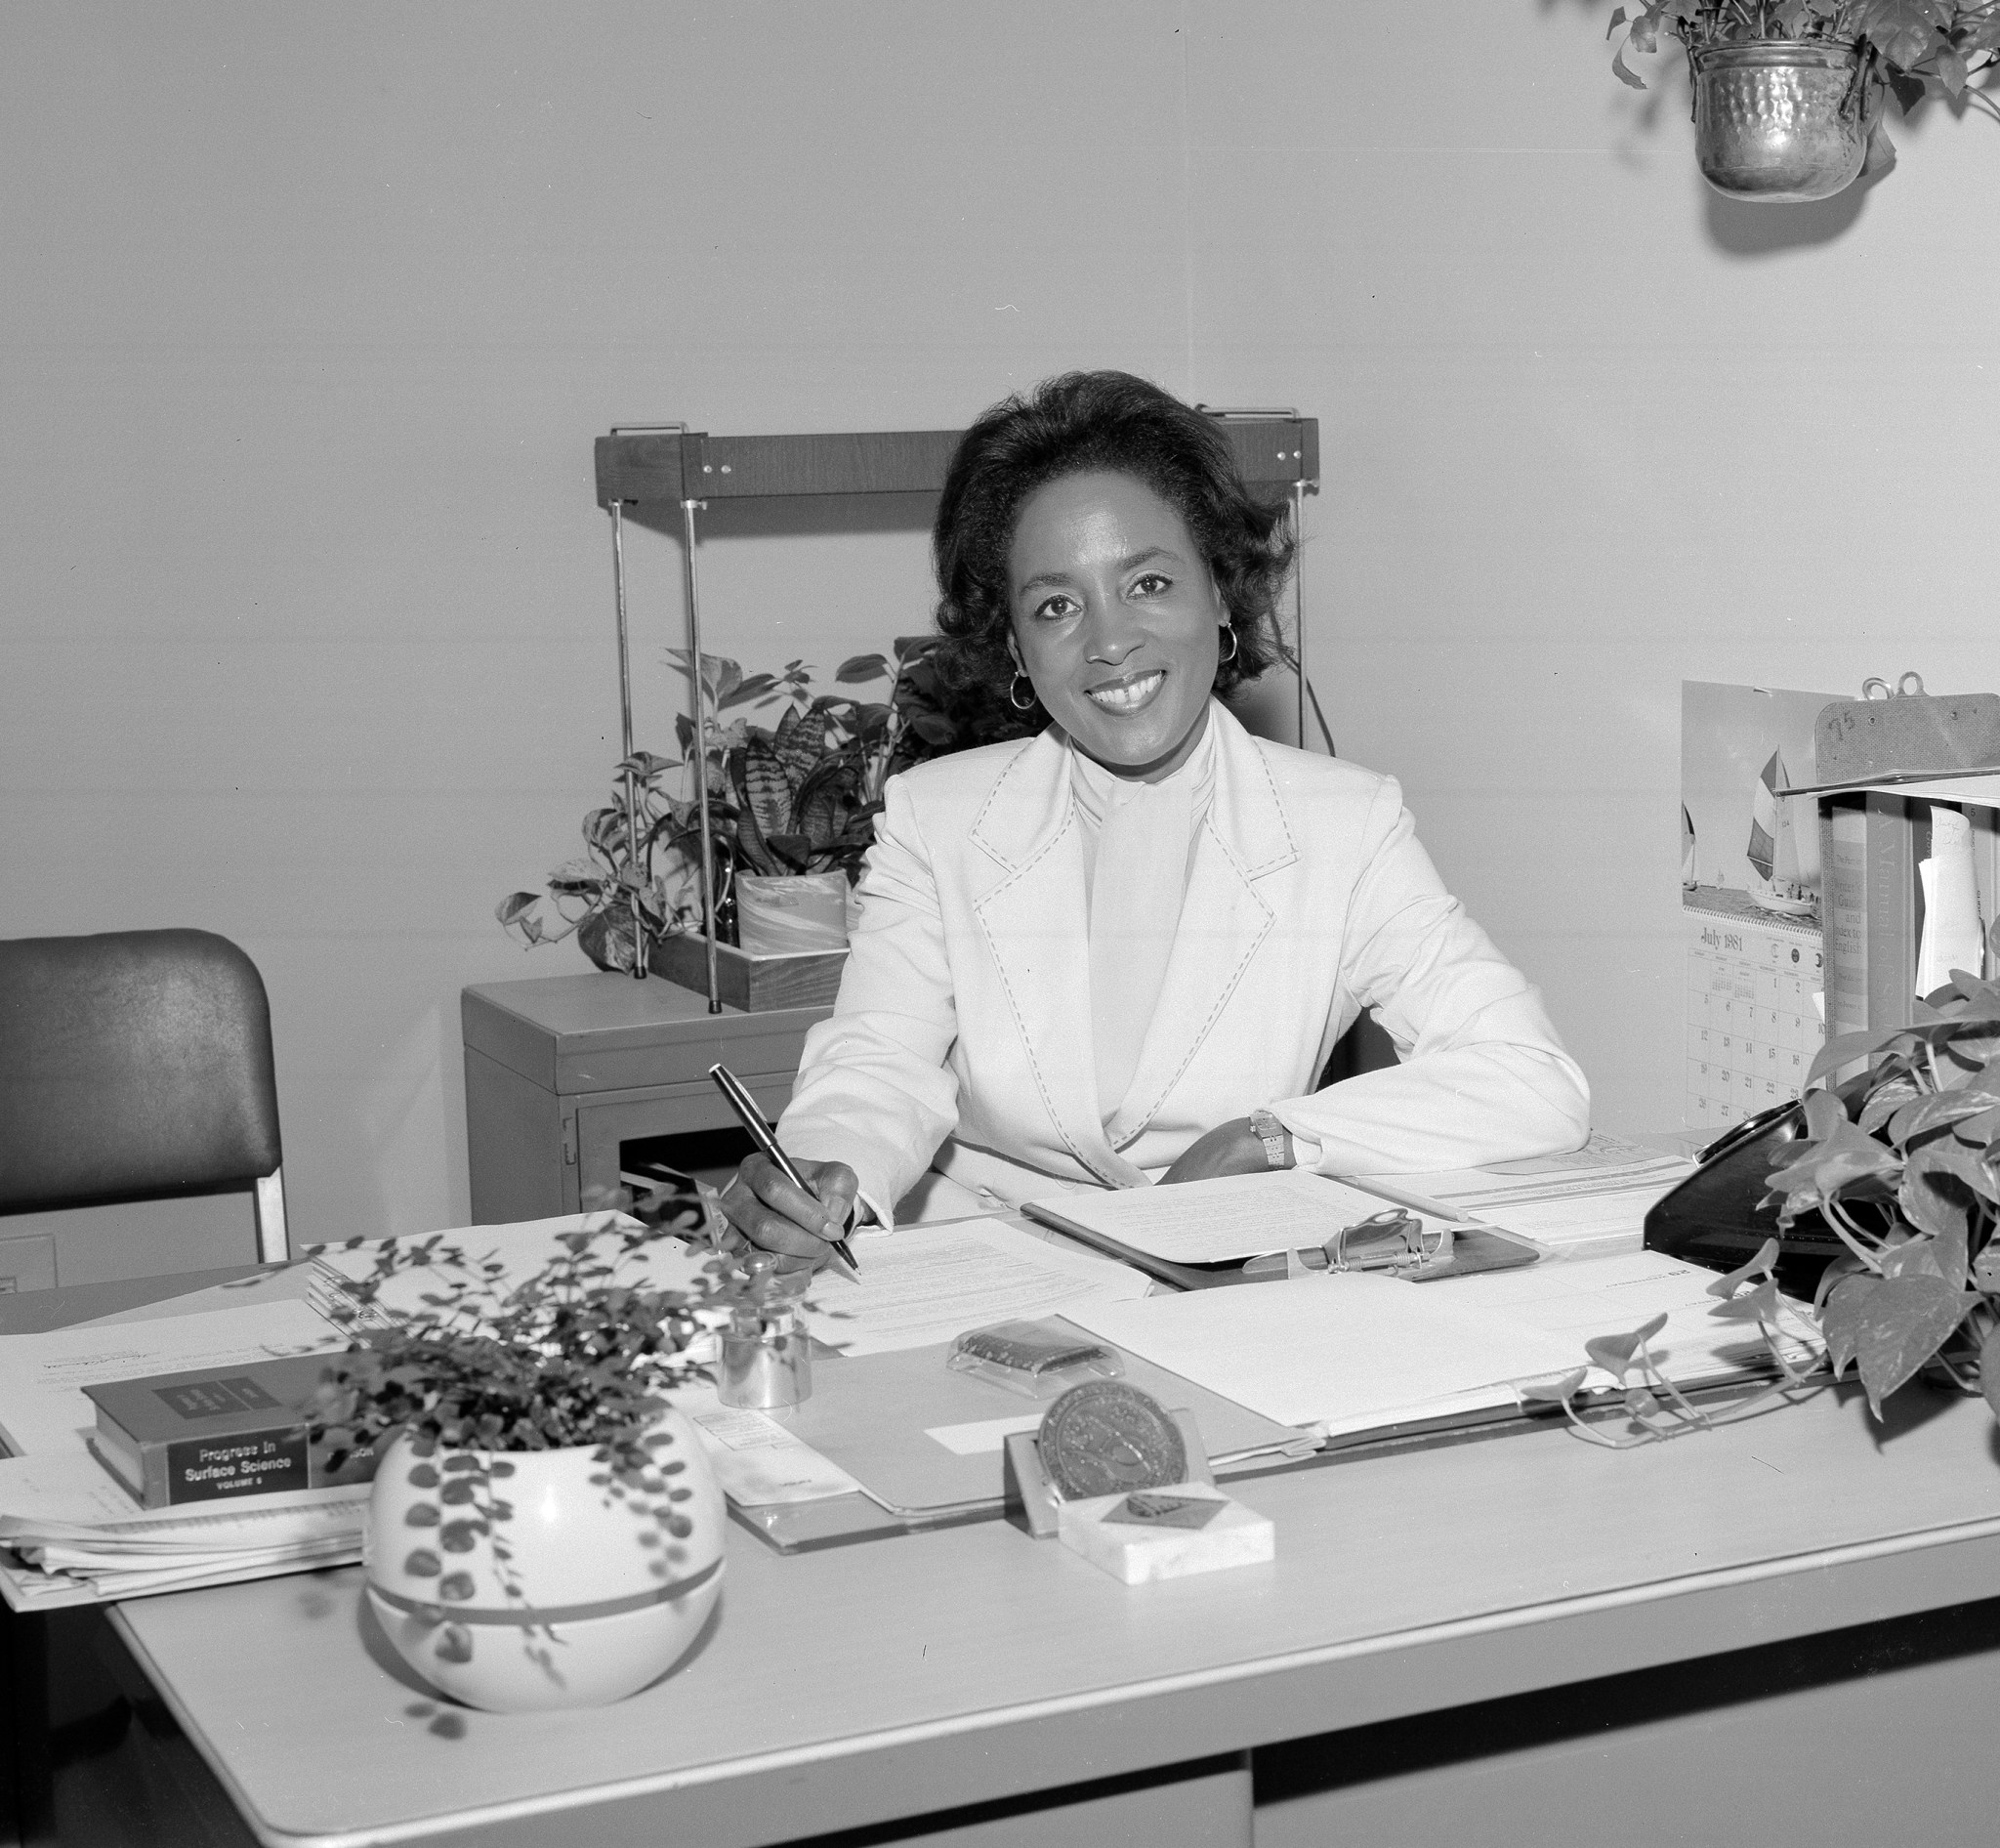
x=134 y=1066
x=1365 y=1046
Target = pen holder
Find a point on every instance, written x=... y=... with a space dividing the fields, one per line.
x=765 y=1366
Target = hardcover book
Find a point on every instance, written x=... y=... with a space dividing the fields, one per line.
x=218 y=1433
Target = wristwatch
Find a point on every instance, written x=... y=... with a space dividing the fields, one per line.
x=1271 y=1133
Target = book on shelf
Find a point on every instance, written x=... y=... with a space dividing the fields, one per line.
x=1871 y=847
x=219 y=1432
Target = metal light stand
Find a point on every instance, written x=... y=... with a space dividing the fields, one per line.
x=1299 y=596
x=688 y=509
x=638 y=943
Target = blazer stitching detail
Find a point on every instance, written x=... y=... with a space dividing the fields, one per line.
x=1291 y=852
x=974 y=833
x=1034 y=1064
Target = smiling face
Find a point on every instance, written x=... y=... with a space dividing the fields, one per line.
x=1116 y=619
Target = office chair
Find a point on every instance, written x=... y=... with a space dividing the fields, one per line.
x=137 y=1066
x=1365 y=1046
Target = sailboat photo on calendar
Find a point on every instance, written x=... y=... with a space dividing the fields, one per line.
x=1750 y=899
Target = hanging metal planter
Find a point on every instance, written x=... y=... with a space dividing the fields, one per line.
x=1782 y=120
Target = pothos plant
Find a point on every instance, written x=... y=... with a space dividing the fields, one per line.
x=1901 y=1162
x=1915 y=48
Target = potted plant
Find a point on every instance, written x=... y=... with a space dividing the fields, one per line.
x=798 y=798
x=1902 y=1163
x=544 y=1529
x=1789 y=93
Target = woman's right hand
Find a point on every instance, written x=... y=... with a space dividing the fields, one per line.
x=767 y=1213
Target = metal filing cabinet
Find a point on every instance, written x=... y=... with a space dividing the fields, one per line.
x=559 y=1070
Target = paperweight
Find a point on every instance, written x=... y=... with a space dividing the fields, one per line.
x=1106 y=1438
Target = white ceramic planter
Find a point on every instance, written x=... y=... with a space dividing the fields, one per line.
x=529 y=1580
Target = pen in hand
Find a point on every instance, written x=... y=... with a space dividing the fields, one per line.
x=765 y=1139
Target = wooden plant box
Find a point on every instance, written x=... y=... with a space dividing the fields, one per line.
x=754 y=984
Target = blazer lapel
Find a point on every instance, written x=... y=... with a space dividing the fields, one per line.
x=1224 y=921
x=1035 y=925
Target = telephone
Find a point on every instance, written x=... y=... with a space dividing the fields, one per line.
x=1711 y=1218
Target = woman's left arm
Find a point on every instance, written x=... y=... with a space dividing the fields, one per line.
x=1484 y=1077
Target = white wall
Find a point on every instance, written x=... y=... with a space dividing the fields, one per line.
x=308 y=317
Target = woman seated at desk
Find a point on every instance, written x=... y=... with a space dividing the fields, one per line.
x=1120 y=951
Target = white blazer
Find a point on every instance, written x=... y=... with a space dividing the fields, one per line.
x=961 y=1038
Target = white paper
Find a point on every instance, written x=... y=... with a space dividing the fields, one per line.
x=1231 y=1217
x=755 y=1459
x=984 y=1437
x=927 y=1284
x=43 y=1406
x=1952 y=935
x=1579 y=1302
x=1591 y=1202
x=1318 y=1348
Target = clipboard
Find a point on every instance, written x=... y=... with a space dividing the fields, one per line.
x=1474 y=1249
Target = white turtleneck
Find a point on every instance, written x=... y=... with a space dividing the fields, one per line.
x=1139 y=843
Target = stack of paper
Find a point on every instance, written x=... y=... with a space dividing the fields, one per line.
x=1357 y=1355
x=77 y=1528
x=1586 y=1204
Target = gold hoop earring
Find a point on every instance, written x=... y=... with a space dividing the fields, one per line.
x=1014 y=686
x=1222 y=659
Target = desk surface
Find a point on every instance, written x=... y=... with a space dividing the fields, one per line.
x=848 y=1687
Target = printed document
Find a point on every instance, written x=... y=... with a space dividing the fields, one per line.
x=1232 y=1217
x=755 y=1459
x=927 y=1284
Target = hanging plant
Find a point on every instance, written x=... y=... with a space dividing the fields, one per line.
x=1790 y=93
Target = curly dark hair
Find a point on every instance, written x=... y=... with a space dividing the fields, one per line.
x=1073 y=425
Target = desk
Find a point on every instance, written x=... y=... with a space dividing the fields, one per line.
x=560 y=1069
x=909 y=1677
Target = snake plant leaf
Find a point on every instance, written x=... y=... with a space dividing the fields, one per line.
x=796 y=747
x=764 y=783
x=1753 y=1272
x=750 y=841
x=1614 y=1353
x=1903 y=1320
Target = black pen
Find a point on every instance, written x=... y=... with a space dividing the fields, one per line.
x=765 y=1138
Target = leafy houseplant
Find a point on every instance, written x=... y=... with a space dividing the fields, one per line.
x=1788 y=93
x=1903 y=1164
x=798 y=797
x=544 y=1528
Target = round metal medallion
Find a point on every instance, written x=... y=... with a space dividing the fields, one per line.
x=1106 y=1438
